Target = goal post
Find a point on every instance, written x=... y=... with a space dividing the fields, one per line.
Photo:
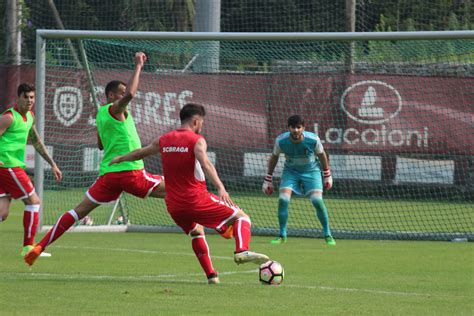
x=397 y=125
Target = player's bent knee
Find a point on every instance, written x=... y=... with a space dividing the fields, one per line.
x=316 y=195
x=284 y=196
x=198 y=230
x=244 y=218
x=318 y=203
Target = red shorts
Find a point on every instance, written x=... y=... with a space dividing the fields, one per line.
x=108 y=187
x=15 y=183
x=208 y=211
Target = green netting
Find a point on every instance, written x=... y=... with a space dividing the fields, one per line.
x=237 y=16
x=398 y=127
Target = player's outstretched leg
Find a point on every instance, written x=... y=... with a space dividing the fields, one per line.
x=62 y=225
x=242 y=235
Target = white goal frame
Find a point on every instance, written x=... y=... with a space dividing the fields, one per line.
x=43 y=35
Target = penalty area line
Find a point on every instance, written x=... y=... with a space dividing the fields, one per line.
x=174 y=277
x=190 y=254
x=178 y=279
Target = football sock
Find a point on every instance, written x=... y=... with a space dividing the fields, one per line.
x=242 y=233
x=62 y=225
x=201 y=249
x=30 y=223
x=322 y=213
x=283 y=202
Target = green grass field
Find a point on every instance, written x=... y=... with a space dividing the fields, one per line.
x=157 y=274
x=374 y=215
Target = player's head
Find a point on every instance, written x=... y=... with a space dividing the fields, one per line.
x=115 y=90
x=26 y=97
x=296 y=126
x=192 y=115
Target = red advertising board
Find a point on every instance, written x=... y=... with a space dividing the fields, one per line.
x=360 y=113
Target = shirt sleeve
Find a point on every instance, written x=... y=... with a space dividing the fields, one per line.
x=276 y=149
x=318 y=147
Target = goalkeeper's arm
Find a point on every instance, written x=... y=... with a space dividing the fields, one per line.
x=327 y=177
x=267 y=186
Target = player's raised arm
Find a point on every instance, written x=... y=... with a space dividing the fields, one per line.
x=138 y=154
x=132 y=86
x=41 y=149
x=200 y=151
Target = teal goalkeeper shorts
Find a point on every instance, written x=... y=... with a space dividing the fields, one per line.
x=301 y=183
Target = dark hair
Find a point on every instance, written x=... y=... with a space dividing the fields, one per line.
x=295 y=120
x=191 y=109
x=25 y=87
x=112 y=86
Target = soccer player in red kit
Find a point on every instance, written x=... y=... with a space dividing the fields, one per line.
x=192 y=207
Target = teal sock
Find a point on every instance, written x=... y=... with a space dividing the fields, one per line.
x=283 y=215
x=322 y=213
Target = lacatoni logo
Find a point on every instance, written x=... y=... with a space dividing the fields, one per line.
x=373 y=102
x=171 y=149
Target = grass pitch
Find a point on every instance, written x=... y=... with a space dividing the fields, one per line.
x=157 y=274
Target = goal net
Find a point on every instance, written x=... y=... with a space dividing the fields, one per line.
x=394 y=111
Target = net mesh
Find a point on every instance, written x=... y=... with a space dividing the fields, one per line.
x=239 y=16
x=398 y=129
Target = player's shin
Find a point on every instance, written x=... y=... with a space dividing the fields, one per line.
x=242 y=233
x=283 y=202
x=201 y=249
x=30 y=223
x=322 y=214
x=62 y=225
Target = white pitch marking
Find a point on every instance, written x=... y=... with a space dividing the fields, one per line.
x=169 y=278
x=191 y=254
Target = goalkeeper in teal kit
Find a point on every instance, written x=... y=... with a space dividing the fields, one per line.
x=305 y=159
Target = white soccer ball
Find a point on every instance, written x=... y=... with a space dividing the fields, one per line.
x=271 y=273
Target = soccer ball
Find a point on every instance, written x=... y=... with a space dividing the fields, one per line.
x=271 y=273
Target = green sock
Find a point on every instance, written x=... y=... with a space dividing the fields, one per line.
x=322 y=213
x=283 y=215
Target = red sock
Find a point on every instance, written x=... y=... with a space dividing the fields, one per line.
x=201 y=249
x=242 y=233
x=30 y=224
x=62 y=225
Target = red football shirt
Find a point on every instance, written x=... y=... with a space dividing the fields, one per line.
x=184 y=178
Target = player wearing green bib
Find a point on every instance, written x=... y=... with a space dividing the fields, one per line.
x=116 y=135
x=17 y=125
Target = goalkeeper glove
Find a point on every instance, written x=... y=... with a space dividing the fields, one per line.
x=327 y=179
x=267 y=186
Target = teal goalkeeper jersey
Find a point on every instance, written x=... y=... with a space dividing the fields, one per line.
x=300 y=157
